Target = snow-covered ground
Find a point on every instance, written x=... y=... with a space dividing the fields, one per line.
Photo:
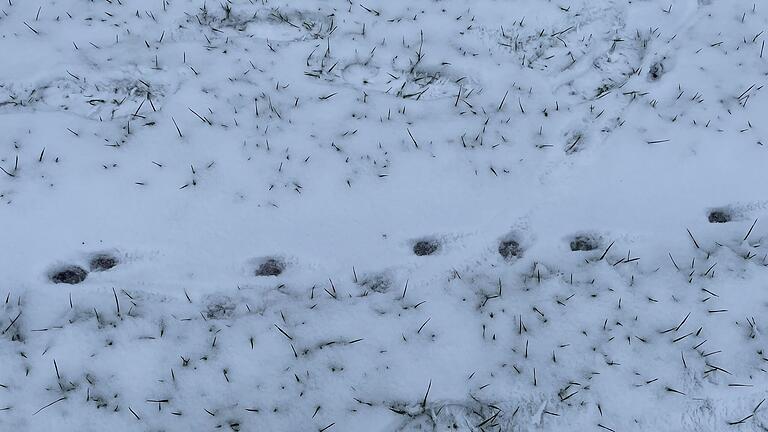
x=389 y=215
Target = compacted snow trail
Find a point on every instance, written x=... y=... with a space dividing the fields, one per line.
x=272 y=215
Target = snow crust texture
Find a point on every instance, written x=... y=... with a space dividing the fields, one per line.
x=387 y=216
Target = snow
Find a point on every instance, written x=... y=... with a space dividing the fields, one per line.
x=306 y=204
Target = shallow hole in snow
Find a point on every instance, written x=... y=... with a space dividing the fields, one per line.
x=71 y=274
x=426 y=247
x=719 y=216
x=102 y=262
x=510 y=249
x=378 y=282
x=270 y=267
x=655 y=71
x=584 y=242
x=220 y=307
